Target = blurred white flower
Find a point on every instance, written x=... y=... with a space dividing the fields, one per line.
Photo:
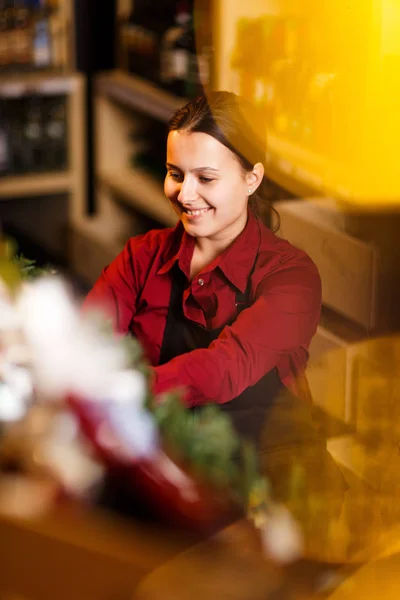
x=135 y=428
x=9 y=318
x=4 y=290
x=127 y=386
x=12 y=408
x=281 y=535
x=69 y=355
x=16 y=390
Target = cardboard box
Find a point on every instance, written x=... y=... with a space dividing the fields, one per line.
x=330 y=370
x=348 y=266
x=357 y=254
x=357 y=379
x=376 y=391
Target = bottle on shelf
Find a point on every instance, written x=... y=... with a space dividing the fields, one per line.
x=29 y=32
x=5 y=56
x=186 y=44
x=22 y=38
x=42 y=56
x=55 y=156
x=183 y=70
x=174 y=57
x=149 y=148
x=131 y=36
x=5 y=154
x=33 y=134
x=57 y=36
x=203 y=26
x=142 y=35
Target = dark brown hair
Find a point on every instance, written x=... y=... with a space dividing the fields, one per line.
x=236 y=124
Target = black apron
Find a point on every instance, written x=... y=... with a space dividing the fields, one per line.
x=253 y=408
x=291 y=449
x=280 y=425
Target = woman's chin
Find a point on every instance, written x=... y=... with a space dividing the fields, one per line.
x=199 y=224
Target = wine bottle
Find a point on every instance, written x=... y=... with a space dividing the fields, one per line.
x=136 y=38
x=32 y=135
x=9 y=16
x=5 y=150
x=175 y=52
x=22 y=35
x=42 y=55
x=55 y=133
x=192 y=85
x=5 y=58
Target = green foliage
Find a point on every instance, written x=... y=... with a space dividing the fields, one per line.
x=15 y=267
x=206 y=440
x=28 y=269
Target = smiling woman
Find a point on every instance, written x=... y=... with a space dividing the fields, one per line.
x=211 y=200
x=224 y=309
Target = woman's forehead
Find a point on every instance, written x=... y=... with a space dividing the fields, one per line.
x=195 y=147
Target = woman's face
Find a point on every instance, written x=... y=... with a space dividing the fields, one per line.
x=206 y=186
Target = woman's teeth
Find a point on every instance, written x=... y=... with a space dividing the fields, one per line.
x=199 y=211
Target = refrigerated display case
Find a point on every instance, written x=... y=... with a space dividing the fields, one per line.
x=327 y=75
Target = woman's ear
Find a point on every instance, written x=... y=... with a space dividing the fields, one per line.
x=255 y=177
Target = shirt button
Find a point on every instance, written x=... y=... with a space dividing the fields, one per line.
x=200 y=281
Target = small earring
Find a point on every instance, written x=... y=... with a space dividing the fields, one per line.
x=250 y=191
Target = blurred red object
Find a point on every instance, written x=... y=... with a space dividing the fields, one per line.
x=172 y=492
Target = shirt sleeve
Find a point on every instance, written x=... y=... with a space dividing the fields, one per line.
x=115 y=292
x=282 y=320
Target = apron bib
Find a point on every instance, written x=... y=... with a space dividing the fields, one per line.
x=280 y=425
x=266 y=413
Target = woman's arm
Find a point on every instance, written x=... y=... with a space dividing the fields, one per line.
x=281 y=321
x=115 y=292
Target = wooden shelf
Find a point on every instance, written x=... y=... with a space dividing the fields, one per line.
x=98 y=231
x=45 y=82
x=139 y=94
x=142 y=192
x=35 y=184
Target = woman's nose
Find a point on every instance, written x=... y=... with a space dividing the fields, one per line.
x=187 y=192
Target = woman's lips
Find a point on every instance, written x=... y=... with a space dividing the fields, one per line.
x=195 y=213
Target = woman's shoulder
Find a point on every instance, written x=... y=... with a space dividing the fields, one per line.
x=152 y=242
x=280 y=254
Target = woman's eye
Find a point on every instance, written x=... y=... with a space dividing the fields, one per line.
x=175 y=176
x=205 y=179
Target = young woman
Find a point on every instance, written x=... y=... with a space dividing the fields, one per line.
x=223 y=308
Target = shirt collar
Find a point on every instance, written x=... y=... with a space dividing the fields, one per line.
x=236 y=262
x=181 y=251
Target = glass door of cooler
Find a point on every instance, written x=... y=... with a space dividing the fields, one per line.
x=326 y=76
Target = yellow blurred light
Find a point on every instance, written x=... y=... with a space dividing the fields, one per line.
x=327 y=76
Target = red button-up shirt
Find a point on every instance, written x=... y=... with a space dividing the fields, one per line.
x=275 y=331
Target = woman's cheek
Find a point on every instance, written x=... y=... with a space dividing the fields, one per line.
x=169 y=188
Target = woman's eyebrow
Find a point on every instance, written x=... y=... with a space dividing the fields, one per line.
x=172 y=166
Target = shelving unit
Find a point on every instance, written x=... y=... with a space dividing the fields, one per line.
x=141 y=191
x=126 y=196
x=42 y=186
x=91 y=247
x=33 y=185
x=72 y=180
x=136 y=93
